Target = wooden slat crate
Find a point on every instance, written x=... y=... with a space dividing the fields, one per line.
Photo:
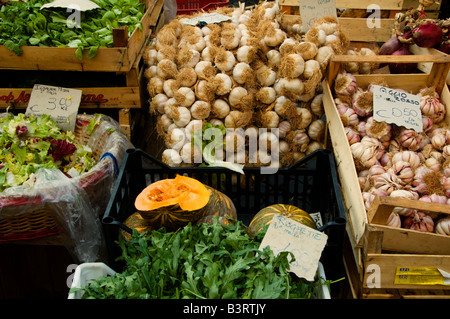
x=116 y=59
x=426 y=67
x=373 y=243
x=356 y=27
x=107 y=82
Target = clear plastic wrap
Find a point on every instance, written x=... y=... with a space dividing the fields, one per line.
x=74 y=204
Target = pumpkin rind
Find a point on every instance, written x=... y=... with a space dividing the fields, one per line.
x=219 y=205
x=265 y=215
x=173 y=216
x=135 y=221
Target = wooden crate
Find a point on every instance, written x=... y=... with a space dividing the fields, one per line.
x=106 y=84
x=116 y=59
x=426 y=67
x=357 y=28
x=371 y=242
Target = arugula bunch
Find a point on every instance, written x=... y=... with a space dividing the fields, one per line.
x=28 y=143
x=22 y=23
x=200 y=261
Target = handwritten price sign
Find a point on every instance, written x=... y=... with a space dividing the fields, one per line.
x=310 y=11
x=305 y=243
x=397 y=107
x=60 y=103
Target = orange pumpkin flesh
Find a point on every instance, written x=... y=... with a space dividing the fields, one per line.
x=173 y=203
x=187 y=192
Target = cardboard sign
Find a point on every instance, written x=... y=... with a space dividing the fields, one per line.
x=397 y=107
x=305 y=243
x=60 y=103
x=80 y=5
x=310 y=11
x=206 y=19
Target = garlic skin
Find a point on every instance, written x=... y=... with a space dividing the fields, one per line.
x=419 y=221
x=394 y=220
x=266 y=95
x=176 y=138
x=443 y=226
x=200 y=110
x=236 y=94
x=171 y=157
x=220 y=109
x=316 y=129
x=184 y=96
x=345 y=84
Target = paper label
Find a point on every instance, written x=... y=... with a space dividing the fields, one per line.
x=207 y=19
x=310 y=11
x=80 y=5
x=60 y=103
x=397 y=107
x=305 y=243
x=421 y=276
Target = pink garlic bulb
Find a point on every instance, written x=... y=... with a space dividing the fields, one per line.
x=352 y=135
x=394 y=220
x=363 y=102
x=410 y=139
x=434 y=198
x=432 y=107
x=345 y=84
x=347 y=114
x=403 y=171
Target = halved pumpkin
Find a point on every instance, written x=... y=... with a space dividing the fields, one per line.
x=220 y=206
x=173 y=203
x=265 y=215
x=135 y=221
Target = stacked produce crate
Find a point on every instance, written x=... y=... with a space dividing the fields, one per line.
x=381 y=249
x=110 y=80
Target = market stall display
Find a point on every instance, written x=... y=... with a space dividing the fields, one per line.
x=399 y=163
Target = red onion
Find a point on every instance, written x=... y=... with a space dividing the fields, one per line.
x=427 y=35
x=444 y=47
x=390 y=46
x=401 y=68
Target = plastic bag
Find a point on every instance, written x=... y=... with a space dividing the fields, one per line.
x=76 y=203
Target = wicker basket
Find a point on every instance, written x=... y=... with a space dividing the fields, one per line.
x=24 y=217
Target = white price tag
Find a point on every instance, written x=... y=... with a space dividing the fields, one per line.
x=310 y=11
x=397 y=107
x=305 y=243
x=60 y=103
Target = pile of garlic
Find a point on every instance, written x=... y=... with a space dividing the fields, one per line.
x=250 y=72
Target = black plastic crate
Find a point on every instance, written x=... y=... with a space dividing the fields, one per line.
x=310 y=184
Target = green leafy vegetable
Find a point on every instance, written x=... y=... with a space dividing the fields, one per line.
x=29 y=143
x=22 y=23
x=201 y=261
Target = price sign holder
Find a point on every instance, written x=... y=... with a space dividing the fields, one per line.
x=60 y=103
x=310 y=11
x=397 y=107
x=305 y=243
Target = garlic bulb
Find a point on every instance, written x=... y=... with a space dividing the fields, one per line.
x=222 y=83
x=242 y=72
x=265 y=75
x=234 y=141
x=182 y=117
x=292 y=66
x=246 y=54
x=193 y=127
x=175 y=138
x=236 y=94
x=220 y=109
x=443 y=226
x=270 y=119
x=394 y=220
x=266 y=95
x=167 y=69
x=205 y=69
x=292 y=85
x=171 y=157
x=157 y=103
x=274 y=57
x=224 y=60
x=191 y=153
x=317 y=105
x=283 y=128
x=200 y=110
x=268 y=141
x=186 y=77
x=184 y=96
x=312 y=68
x=316 y=129
x=345 y=84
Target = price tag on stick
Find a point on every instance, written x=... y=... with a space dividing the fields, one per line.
x=60 y=103
x=397 y=107
x=305 y=243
